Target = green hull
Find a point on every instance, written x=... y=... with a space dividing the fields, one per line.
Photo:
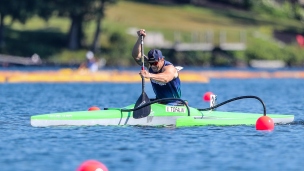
x=161 y=115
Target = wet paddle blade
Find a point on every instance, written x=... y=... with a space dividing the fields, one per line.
x=143 y=112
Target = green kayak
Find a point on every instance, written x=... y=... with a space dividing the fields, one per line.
x=160 y=115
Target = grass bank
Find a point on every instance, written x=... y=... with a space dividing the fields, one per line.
x=167 y=19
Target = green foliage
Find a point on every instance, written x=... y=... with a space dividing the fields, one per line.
x=68 y=57
x=116 y=45
x=18 y=10
x=261 y=49
x=239 y=57
x=119 y=52
x=298 y=12
x=26 y=43
x=245 y=4
x=294 y=56
x=273 y=8
x=190 y=58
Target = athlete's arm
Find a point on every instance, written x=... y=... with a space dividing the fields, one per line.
x=168 y=74
x=136 y=52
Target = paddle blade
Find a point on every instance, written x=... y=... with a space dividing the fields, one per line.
x=145 y=111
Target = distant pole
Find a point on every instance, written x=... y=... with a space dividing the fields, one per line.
x=177 y=37
x=243 y=36
x=209 y=36
x=223 y=37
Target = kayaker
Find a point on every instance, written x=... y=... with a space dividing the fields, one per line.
x=91 y=63
x=162 y=74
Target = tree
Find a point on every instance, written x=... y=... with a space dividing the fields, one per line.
x=100 y=8
x=79 y=11
x=18 y=11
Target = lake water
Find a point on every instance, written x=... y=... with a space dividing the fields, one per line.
x=26 y=148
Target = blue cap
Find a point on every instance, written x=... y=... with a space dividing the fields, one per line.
x=155 y=55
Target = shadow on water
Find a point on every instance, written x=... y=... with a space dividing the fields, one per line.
x=297 y=122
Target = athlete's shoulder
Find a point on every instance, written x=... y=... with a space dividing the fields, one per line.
x=169 y=67
x=168 y=63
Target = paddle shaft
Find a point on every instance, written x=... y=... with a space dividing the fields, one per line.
x=143 y=63
x=143 y=98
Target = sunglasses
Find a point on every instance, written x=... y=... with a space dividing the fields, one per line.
x=153 y=63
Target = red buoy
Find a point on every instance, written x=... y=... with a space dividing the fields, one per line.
x=300 y=40
x=93 y=108
x=207 y=95
x=92 y=165
x=264 y=123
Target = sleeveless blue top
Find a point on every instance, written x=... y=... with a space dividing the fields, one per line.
x=92 y=65
x=171 y=89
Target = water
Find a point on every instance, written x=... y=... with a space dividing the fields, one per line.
x=26 y=148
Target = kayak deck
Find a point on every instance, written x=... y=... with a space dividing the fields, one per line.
x=218 y=118
x=161 y=115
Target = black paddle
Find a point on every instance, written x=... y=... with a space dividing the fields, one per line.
x=143 y=98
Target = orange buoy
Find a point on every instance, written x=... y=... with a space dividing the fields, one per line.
x=207 y=95
x=93 y=108
x=264 y=123
x=92 y=165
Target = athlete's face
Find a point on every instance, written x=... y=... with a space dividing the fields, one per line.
x=156 y=65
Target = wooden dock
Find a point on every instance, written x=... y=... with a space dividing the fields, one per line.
x=9 y=59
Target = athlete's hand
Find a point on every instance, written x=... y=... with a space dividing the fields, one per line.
x=144 y=74
x=141 y=32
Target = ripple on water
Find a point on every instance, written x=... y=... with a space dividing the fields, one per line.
x=148 y=148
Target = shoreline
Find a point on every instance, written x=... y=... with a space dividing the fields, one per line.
x=69 y=75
